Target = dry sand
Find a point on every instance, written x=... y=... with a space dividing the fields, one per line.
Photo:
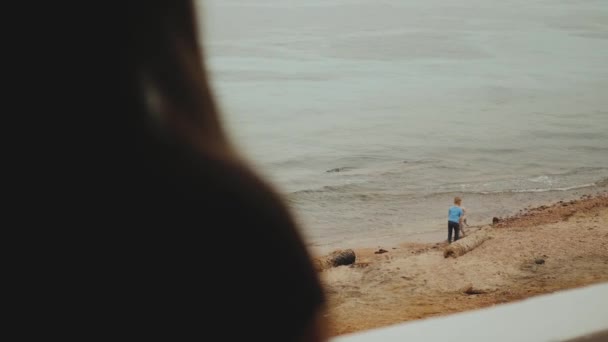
x=415 y=281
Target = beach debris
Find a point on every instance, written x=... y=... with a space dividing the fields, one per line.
x=380 y=251
x=495 y=220
x=470 y=290
x=539 y=261
x=336 y=258
x=465 y=245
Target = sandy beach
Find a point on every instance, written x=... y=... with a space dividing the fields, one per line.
x=540 y=250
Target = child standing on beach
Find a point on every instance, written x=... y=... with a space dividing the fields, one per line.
x=455 y=214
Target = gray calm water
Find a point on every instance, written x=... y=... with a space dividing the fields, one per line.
x=369 y=116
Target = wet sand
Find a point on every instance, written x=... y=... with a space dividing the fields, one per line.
x=540 y=250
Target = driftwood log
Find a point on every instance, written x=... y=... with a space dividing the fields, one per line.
x=466 y=244
x=334 y=259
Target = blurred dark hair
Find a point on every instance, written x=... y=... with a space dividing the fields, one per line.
x=165 y=188
x=168 y=78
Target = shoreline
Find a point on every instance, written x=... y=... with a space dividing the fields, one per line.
x=413 y=280
x=433 y=229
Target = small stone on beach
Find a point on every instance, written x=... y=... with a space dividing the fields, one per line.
x=471 y=291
